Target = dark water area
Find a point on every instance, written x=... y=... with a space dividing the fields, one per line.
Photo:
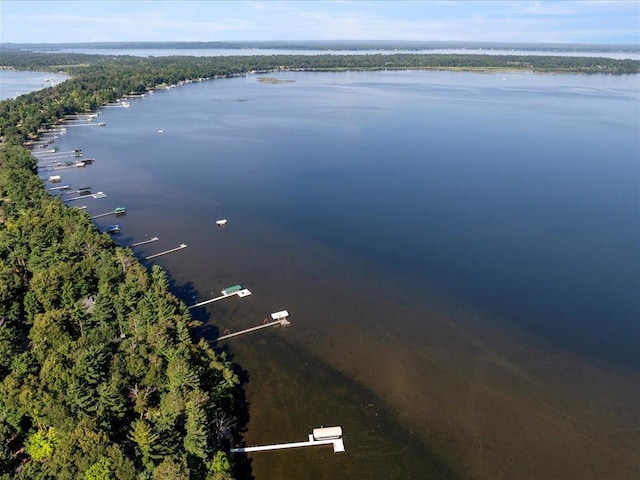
x=459 y=253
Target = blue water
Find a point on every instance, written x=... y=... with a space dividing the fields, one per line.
x=517 y=193
x=14 y=83
x=513 y=195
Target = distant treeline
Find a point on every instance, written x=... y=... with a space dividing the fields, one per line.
x=98 y=79
x=339 y=45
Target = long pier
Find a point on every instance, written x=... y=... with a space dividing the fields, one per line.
x=279 y=318
x=88 y=124
x=240 y=293
x=75 y=116
x=46 y=155
x=338 y=446
x=95 y=195
x=320 y=436
x=47 y=160
x=113 y=212
x=165 y=252
x=79 y=164
x=283 y=322
x=144 y=242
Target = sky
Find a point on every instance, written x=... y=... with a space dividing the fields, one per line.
x=575 y=21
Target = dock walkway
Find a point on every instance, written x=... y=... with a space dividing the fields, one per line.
x=320 y=436
x=240 y=293
x=165 y=252
x=283 y=321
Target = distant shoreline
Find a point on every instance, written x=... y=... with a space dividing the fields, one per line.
x=343 y=45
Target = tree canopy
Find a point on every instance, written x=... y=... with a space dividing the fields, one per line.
x=100 y=374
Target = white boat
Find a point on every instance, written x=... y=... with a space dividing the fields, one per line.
x=222 y=222
x=161 y=131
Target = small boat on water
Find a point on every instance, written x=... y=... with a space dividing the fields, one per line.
x=55 y=179
x=101 y=124
x=161 y=131
x=113 y=229
x=84 y=191
x=120 y=211
x=221 y=223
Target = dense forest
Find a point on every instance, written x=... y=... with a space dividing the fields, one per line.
x=101 y=375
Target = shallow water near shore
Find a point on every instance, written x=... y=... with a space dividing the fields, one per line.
x=458 y=253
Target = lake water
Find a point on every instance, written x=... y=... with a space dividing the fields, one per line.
x=14 y=83
x=458 y=252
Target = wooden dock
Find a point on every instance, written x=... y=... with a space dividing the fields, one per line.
x=338 y=446
x=95 y=195
x=240 y=293
x=113 y=212
x=314 y=440
x=144 y=242
x=88 y=124
x=49 y=160
x=79 y=164
x=279 y=318
x=46 y=155
x=166 y=252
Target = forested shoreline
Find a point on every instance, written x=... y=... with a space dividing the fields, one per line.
x=99 y=79
x=102 y=376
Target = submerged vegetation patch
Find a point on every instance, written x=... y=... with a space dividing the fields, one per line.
x=273 y=81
